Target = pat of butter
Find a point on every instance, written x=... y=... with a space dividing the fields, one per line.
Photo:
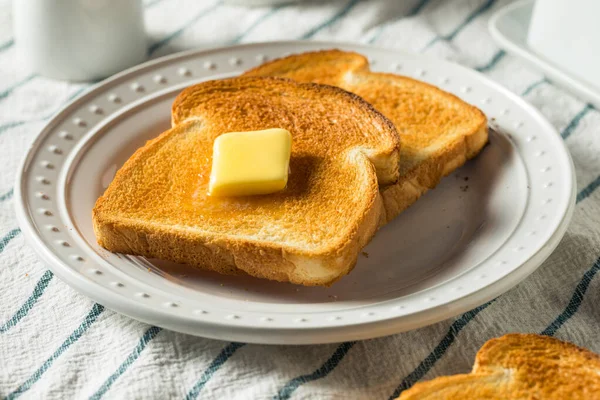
x=249 y=163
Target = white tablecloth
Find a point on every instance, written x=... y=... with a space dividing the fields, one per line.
x=56 y=343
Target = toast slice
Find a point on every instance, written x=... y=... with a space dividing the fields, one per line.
x=520 y=366
x=439 y=132
x=310 y=233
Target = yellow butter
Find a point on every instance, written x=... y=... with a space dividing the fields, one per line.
x=250 y=163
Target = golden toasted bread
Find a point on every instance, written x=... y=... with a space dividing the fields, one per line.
x=438 y=131
x=310 y=233
x=520 y=366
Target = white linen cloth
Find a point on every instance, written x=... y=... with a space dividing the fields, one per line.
x=57 y=344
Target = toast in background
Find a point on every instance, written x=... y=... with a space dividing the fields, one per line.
x=520 y=366
x=310 y=233
x=438 y=131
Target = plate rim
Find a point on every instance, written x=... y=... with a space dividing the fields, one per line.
x=287 y=335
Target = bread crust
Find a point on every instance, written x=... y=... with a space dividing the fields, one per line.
x=520 y=366
x=144 y=210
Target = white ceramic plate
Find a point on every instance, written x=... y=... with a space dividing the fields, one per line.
x=509 y=27
x=481 y=231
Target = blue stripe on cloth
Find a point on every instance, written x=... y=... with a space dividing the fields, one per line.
x=203 y=13
x=414 y=11
x=256 y=23
x=483 y=8
x=38 y=291
x=152 y=3
x=417 y=8
x=575 y=302
x=588 y=190
x=7 y=195
x=439 y=350
x=336 y=17
x=8 y=237
x=534 y=85
x=89 y=320
x=7 y=45
x=575 y=121
x=14 y=124
x=585 y=281
x=6 y=92
x=214 y=366
x=495 y=59
x=329 y=365
x=146 y=338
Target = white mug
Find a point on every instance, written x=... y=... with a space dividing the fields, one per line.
x=567 y=33
x=79 y=39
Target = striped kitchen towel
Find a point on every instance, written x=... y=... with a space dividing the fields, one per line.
x=57 y=344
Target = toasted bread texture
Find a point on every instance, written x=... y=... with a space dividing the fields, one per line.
x=438 y=131
x=520 y=366
x=310 y=233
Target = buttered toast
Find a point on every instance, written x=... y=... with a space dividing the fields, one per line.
x=438 y=131
x=310 y=233
x=520 y=366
